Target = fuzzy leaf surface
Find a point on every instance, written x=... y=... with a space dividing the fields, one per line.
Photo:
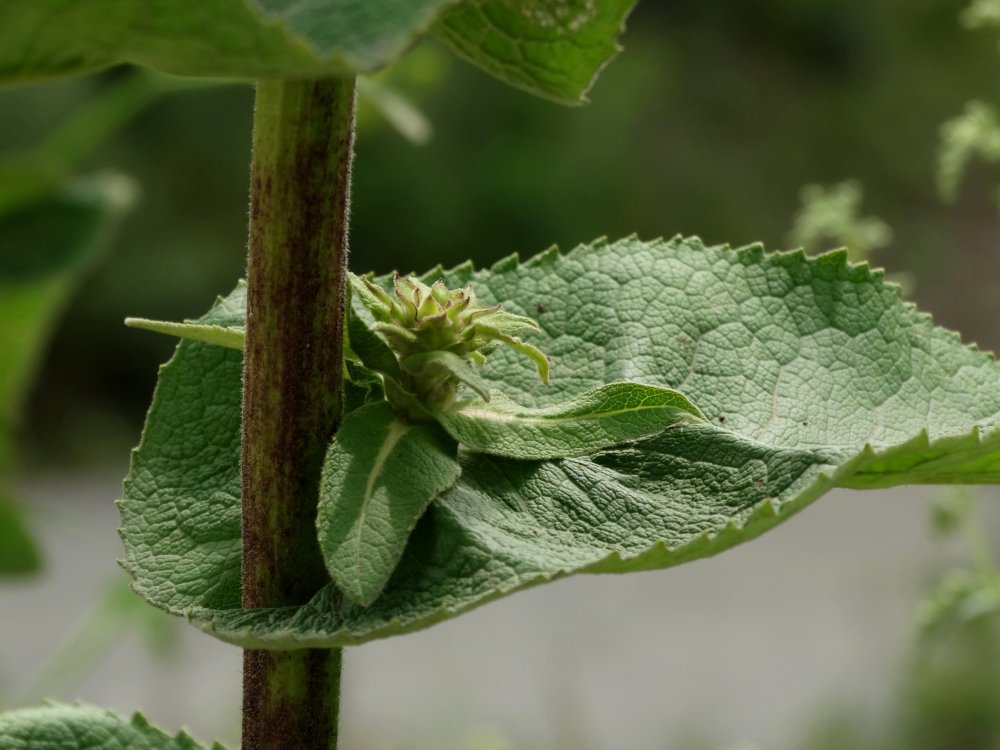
x=600 y=418
x=554 y=49
x=370 y=348
x=379 y=476
x=231 y=337
x=811 y=372
x=81 y=727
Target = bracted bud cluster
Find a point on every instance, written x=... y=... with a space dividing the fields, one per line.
x=440 y=338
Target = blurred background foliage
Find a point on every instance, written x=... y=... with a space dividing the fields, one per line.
x=791 y=123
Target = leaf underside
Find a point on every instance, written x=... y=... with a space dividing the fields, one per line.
x=81 y=727
x=551 y=48
x=812 y=374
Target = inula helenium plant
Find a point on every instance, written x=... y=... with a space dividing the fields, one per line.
x=330 y=459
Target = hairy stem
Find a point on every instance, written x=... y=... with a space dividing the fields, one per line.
x=299 y=203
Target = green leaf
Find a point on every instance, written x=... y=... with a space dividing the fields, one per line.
x=464 y=370
x=379 y=476
x=551 y=48
x=18 y=551
x=361 y=386
x=231 y=337
x=370 y=348
x=80 y=727
x=812 y=373
x=46 y=245
x=974 y=133
x=402 y=114
x=605 y=416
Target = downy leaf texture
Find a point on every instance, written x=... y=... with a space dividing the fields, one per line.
x=608 y=415
x=379 y=476
x=812 y=373
x=231 y=337
x=81 y=727
x=553 y=48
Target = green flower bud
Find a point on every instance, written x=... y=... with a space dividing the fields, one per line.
x=440 y=337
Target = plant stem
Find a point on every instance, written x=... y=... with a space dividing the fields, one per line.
x=299 y=203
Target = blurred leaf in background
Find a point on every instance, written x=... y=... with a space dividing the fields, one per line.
x=19 y=553
x=830 y=218
x=54 y=227
x=116 y=612
x=982 y=13
x=47 y=242
x=965 y=594
x=974 y=133
x=948 y=699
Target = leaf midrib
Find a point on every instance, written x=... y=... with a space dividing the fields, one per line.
x=396 y=432
x=500 y=416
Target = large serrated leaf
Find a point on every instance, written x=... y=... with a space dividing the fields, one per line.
x=554 y=49
x=81 y=727
x=812 y=373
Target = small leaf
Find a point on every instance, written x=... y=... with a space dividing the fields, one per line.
x=398 y=111
x=361 y=386
x=510 y=324
x=533 y=353
x=231 y=337
x=80 y=727
x=462 y=369
x=379 y=476
x=370 y=348
x=612 y=414
x=370 y=297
